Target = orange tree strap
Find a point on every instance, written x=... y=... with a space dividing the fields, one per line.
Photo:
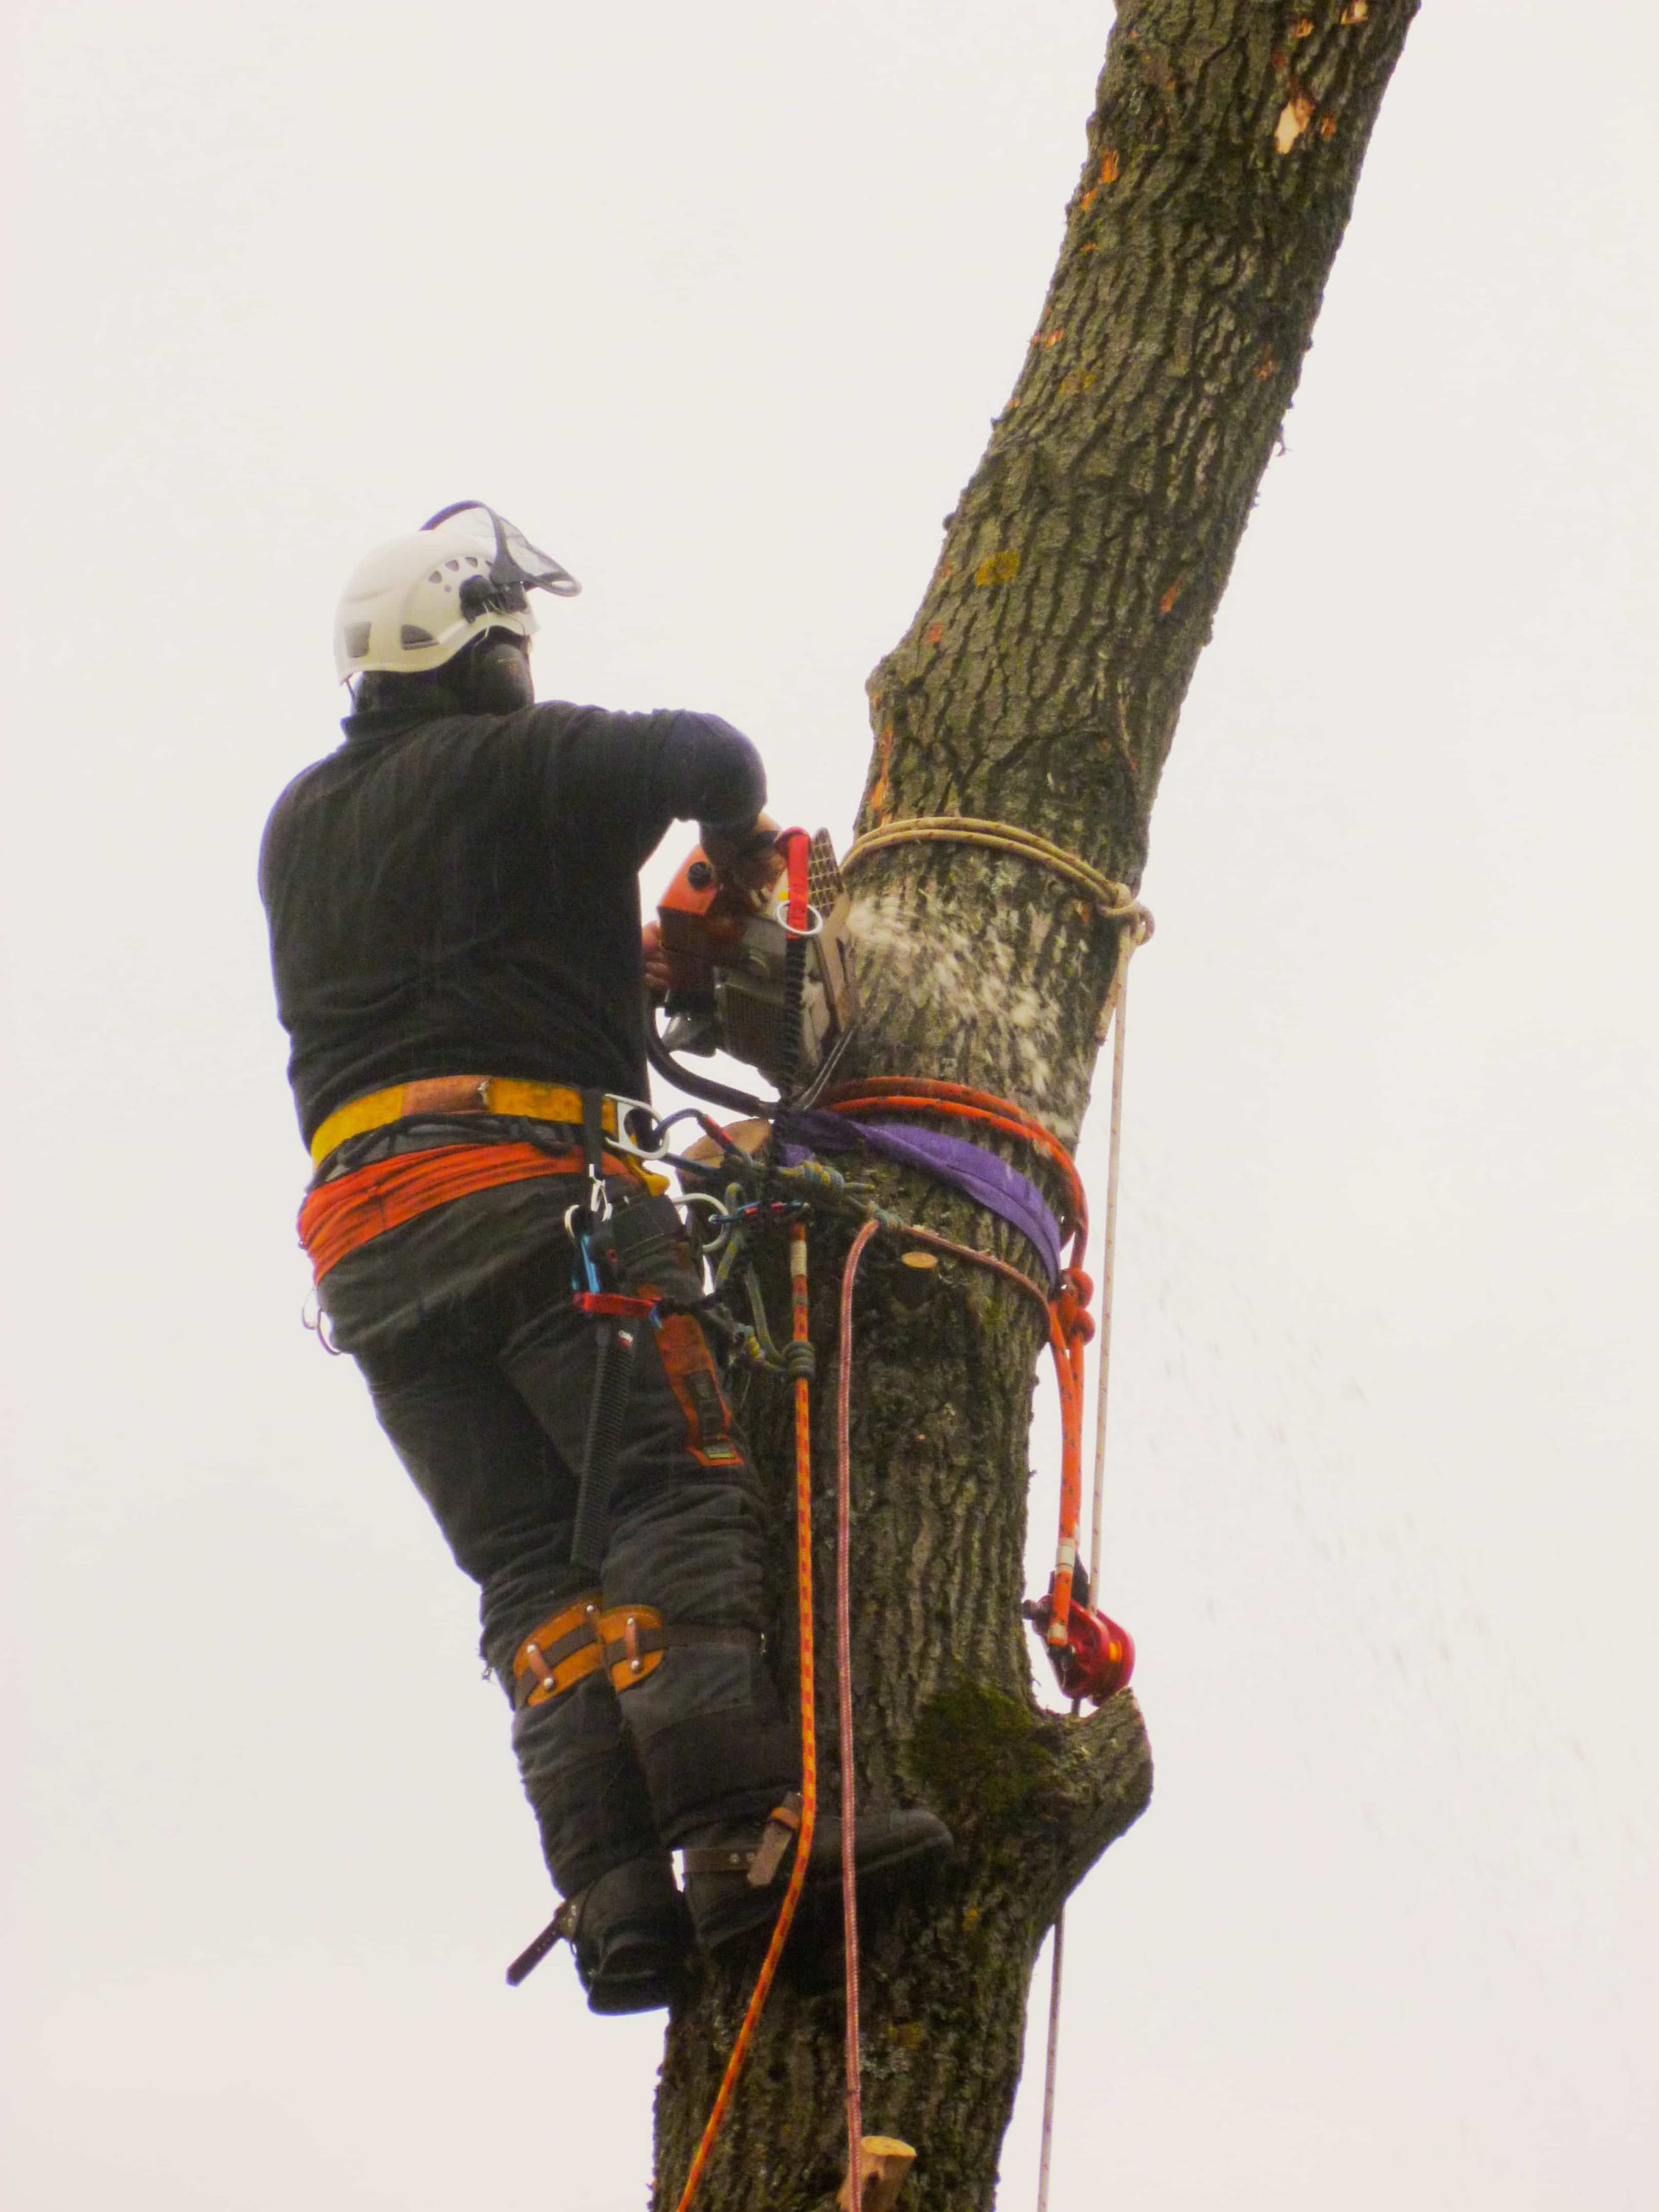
x=1069 y=1324
x=894 y=1094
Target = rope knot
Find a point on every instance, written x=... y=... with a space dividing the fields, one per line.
x=1071 y=1306
x=799 y=1362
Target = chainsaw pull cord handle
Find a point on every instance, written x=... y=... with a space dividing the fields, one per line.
x=795 y=845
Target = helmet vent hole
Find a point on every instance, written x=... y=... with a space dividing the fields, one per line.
x=356 y=640
x=412 y=637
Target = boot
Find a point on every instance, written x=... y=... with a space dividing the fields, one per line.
x=891 y=1850
x=630 y=1934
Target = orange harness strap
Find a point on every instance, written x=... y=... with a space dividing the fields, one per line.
x=695 y=1381
x=340 y=1216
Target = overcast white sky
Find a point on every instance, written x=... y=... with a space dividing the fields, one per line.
x=718 y=303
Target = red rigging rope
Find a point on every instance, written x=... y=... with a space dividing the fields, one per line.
x=1116 y=1016
x=843 y=1621
x=1068 y=1325
x=1069 y=1328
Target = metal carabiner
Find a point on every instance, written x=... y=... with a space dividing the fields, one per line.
x=625 y=1141
x=709 y=1240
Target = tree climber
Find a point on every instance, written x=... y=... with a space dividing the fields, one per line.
x=455 y=934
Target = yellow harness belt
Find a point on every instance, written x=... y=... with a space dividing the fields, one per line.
x=456 y=1094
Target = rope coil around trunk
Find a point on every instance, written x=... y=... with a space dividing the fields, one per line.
x=1114 y=900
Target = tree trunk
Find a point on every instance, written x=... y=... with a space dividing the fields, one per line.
x=1039 y=683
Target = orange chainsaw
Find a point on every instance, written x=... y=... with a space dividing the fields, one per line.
x=766 y=975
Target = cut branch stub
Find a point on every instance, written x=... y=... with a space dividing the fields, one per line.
x=884 y=2164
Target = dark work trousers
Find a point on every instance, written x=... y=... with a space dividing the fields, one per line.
x=482 y=1370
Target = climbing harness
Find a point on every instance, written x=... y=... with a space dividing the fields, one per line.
x=349 y=1210
x=628 y=1123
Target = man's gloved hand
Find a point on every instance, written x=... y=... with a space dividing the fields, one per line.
x=747 y=867
x=659 y=974
x=749 y=862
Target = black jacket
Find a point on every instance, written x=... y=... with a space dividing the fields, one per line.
x=460 y=895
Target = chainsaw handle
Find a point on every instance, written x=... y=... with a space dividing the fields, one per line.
x=746 y=863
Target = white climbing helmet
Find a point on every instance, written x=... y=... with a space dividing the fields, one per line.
x=415 y=602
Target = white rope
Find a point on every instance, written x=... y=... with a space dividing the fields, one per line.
x=1116 y=1017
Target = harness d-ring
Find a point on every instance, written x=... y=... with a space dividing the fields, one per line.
x=813 y=924
x=314 y=1321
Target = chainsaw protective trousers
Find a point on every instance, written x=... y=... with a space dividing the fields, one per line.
x=482 y=1371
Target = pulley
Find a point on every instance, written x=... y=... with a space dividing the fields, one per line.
x=1097 y=1657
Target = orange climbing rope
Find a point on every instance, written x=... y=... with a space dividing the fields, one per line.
x=802 y=1336
x=844 y=1685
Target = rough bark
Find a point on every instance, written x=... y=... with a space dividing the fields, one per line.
x=1039 y=683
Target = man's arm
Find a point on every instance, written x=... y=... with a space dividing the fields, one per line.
x=709 y=773
x=629 y=776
